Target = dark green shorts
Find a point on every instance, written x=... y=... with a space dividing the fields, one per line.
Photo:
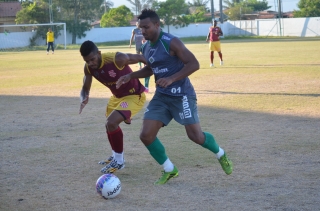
x=164 y=108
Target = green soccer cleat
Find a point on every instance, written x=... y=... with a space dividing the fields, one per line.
x=226 y=164
x=166 y=176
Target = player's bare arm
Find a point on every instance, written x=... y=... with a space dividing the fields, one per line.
x=208 y=36
x=123 y=59
x=220 y=32
x=191 y=64
x=146 y=71
x=84 y=94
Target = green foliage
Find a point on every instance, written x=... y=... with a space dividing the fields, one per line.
x=172 y=12
x=77 y=29
x=256 y=5
x=200 y=3
x=78 y=14
x=236 y=12
x=197 y=14
x=120 y=16
x=308 y=8
x=140 y=4
x=235 y=8
x=35 y=13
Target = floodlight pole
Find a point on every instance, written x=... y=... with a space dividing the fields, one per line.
x=279 y=15
x=50 y=11
x=221 y=11
x=212 y=11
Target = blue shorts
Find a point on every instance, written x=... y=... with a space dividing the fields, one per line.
x=164 y=108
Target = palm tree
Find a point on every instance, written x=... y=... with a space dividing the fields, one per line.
x=107 y=5
x=230 y=3
x=199 y=3
x=141 y=4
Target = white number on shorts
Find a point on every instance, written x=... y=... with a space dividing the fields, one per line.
x=176 y=90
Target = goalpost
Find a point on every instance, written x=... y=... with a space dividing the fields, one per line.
x=23 y=35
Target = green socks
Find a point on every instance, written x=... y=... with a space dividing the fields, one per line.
x=146 y=82
x=157 y=151
x=210 y=143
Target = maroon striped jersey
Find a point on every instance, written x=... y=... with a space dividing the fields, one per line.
x=109 y=73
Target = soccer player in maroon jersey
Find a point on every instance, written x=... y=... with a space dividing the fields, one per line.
x=214 y=33
x=125 y=102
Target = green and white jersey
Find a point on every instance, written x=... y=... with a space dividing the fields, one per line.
x=164 y=65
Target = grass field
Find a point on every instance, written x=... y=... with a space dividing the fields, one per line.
x=263 y=106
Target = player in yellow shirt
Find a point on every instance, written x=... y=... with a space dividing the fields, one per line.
x=50 y=40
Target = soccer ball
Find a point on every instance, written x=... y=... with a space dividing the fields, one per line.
x=108 y=186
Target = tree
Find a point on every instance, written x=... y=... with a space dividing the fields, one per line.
x=236 y=8
x=35 y=13
x=140 y=4
x=197 y=14
x=106 y=5
x=230 y=3
x=78 y=14
x=172 y=12
x=256 y=5
x=199 y=3
x=308 y=8
x=119 y=16
x=236 y=12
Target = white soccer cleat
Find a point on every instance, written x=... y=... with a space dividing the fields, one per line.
x=221 y=63
x=211 y=65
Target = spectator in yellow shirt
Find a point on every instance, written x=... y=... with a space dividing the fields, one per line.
x=50 y=40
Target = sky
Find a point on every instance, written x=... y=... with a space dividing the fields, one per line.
x=287 y=5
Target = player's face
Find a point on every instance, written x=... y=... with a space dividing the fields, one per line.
x=149 y=30
x=93 y=60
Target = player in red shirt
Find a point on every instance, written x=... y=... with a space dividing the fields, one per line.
x=214 y=33
x=126 y=102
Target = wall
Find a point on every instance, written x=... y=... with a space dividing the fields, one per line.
x=300 y=27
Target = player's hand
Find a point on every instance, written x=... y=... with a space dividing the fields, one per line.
x=122 y=80
x=84 y=103
x=164 y=82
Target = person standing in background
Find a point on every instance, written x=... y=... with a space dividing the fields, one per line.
x=214 y=45
x=50 y=40
x=138 y=37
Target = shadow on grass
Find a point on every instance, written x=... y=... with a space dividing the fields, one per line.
x=49 y=155
x=205 y=92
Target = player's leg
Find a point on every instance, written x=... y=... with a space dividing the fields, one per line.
x=52 y=48
x=138 y=50
x=115 y=137
x=48 y=47
x=156 y=116
x=218 y=47
x=146 y=84
x=207 y=141
x=117 y=113
x=192 y=125
x=211 y=48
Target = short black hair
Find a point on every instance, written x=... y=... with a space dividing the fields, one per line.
x=149 y=13
x=87 y=47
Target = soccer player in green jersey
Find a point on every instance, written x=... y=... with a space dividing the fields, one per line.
x=171 y=63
